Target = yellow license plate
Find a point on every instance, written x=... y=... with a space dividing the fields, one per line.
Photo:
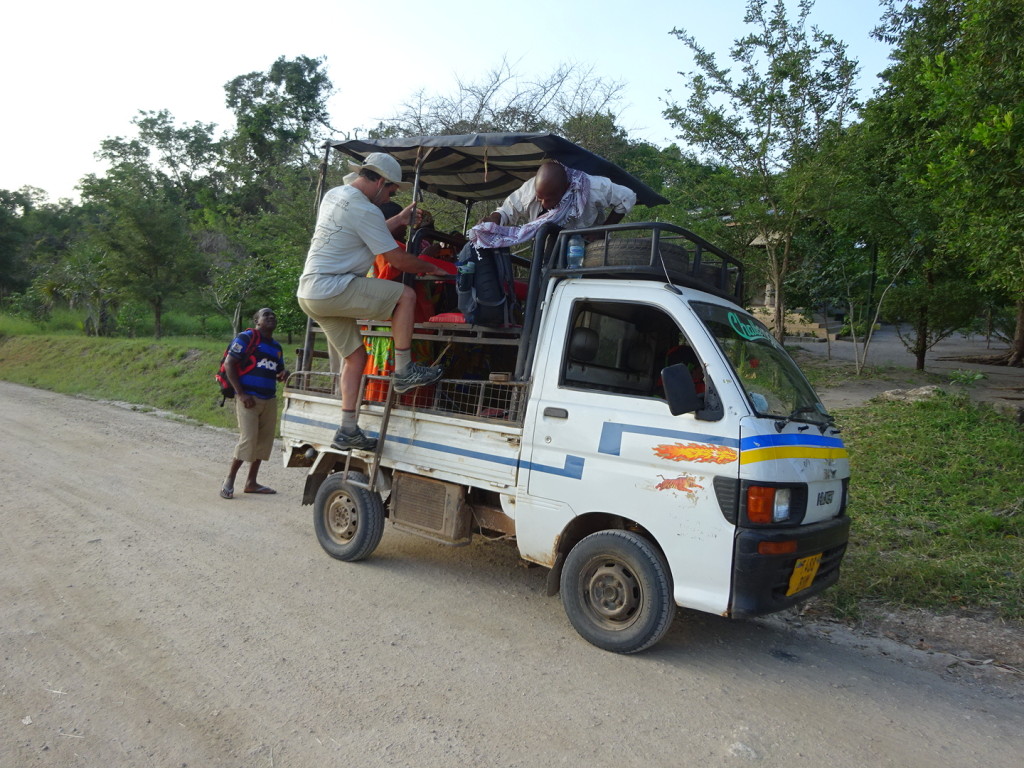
x=804 y=571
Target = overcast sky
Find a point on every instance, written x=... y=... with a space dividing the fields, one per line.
x=77 y=72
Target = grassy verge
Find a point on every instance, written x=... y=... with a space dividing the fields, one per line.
x=937 y=503
x=171 y=374
x=937 y=496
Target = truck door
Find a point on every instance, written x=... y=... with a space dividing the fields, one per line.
x=602 y=441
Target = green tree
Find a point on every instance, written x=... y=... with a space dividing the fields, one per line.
x=767 y=125
x=81 y=280
x=13 y=241
x=34 y=234
x=976 y=99
x=262 y=223
x=874 y=228
x=188 y=156
x=891 y=184
x=281 y=116
x=150 y=256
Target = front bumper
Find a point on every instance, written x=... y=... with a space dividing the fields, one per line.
x=760 y=582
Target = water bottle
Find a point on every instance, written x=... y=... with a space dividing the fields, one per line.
x=576 y=250
x=464 y=280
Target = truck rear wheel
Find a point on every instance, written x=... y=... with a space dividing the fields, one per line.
x=617 y=592
x=349 y=520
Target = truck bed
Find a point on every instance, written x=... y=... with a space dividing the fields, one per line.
x=462 y=431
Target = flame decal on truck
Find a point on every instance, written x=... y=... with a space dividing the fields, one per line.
x=701 y=453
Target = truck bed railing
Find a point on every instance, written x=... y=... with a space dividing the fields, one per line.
x=654 y=250
x=494 y=401
x=638 y=250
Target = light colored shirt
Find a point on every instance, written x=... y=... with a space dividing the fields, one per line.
x=350 y=232
x=523 y=206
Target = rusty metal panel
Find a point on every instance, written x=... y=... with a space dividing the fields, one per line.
x=432 y=508
x=493 y=519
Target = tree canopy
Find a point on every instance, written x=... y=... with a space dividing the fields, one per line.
x=905 y=207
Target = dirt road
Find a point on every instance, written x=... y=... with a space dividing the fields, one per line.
x=147 y=622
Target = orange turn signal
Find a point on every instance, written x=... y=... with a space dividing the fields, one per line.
x=776 y=547
x=760 y=503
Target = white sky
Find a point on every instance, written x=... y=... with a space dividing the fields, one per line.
x=78 y=72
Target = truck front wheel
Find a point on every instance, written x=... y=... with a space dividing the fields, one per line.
x=617 y=592
x=349 y=520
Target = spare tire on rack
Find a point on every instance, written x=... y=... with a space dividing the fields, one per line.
x=636 y=251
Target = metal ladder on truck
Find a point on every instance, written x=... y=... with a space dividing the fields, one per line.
x=374 y=465
x=309 y=351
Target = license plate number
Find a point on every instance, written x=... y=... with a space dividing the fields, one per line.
x=804 y=571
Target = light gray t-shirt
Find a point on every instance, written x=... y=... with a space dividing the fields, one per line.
x=350 y=232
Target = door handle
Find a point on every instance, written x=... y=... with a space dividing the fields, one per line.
x=556 y=413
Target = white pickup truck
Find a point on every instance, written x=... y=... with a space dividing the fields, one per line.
x=639 y=434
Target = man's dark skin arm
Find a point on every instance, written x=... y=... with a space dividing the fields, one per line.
x=231 y=371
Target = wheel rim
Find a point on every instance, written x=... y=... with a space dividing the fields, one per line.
x=612 y=593
x=341 y=518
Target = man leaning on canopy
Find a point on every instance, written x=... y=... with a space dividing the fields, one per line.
x=559 y=195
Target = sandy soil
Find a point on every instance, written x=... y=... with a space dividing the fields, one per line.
x=144 y=621
x=999 y=385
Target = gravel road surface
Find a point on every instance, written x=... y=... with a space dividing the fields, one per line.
x=148 y=622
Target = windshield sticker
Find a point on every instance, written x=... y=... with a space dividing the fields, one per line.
x=696 y=452
x=748 y=330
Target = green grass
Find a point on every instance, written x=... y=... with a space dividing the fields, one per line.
x=60 y=321
x=70 y=321
x=937 y=495
x=174 y=374
x=937 y=506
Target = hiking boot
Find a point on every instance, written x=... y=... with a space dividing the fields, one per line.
x=416 y=375
x=357 y=440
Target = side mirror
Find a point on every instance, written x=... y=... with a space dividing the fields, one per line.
x=679 y=390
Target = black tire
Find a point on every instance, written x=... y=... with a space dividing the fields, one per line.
x=617 y=592
x=635 y=251
x=349 y=521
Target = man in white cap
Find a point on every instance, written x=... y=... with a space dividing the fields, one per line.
x=334 y=290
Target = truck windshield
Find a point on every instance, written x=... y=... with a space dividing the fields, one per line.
x=772 y=381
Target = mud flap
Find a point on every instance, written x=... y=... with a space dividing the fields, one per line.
x=555 y=575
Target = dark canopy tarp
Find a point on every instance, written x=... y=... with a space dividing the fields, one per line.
x=489 y=166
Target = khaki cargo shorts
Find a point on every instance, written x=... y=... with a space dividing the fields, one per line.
x=365 y=298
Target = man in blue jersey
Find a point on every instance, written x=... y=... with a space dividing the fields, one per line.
x=254 y=373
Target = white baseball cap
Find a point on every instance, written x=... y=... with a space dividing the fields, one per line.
x=386 y=166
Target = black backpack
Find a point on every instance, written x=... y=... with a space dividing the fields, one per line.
x=247 y=363
x=485 y=286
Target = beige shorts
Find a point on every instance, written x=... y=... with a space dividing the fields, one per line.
x=365 y=298
x=256 y=429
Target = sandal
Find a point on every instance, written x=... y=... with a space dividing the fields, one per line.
x=260 y=489
x=227 y=492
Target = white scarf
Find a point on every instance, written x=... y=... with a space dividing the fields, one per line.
x=572 y=205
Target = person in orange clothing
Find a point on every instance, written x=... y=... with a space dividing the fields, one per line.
x=380 y=349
